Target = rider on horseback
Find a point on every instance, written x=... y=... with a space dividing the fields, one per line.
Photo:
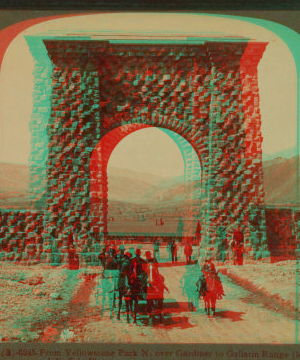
x=139 y=280
x=210 y=286
x=209 y=270
x=201 y=283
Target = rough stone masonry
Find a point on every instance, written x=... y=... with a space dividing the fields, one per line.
x=102 y=91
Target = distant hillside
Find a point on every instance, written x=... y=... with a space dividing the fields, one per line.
x=285 y=154
x=14 y=177
x=149 y=179
x=124 y=186
x=280 y=181
x=14 y=181
x=130 y=187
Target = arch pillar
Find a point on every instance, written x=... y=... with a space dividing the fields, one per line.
x=234 y=177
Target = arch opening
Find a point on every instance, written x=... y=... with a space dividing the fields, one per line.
x=172 y=206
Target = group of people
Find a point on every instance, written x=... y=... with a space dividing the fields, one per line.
x=173 y=250
x=134 y=278
x=131 y=278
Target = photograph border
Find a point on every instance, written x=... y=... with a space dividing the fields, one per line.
x=286 y=13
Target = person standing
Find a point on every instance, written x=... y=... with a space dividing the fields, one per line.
x=189 y=290
x=174 y=251
x=156 y=246
x=240 y=254
x=160 y=287
x=188 y=250
x=121 y=253
x=152 y=265
x=73 y=258
x=109 y=280
x=102 y=256
x=234 y=247
x=137 y=263
x=169 y=250
x=238 y=247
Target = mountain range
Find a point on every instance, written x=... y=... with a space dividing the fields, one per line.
x=126 y=186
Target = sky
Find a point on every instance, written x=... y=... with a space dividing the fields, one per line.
x=276 y=71
x=150 y=151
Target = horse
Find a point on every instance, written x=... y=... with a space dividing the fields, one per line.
x=138 y=291
x=132 y=287
x=211 y=290
x=124 y=293
x=152 y=297
x=123 y=286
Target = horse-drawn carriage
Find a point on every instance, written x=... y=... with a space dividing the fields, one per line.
x=133 y=280
x=137 y=280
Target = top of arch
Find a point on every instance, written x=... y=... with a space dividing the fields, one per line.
x=139 y=39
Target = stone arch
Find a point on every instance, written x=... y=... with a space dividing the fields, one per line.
x=205 y=92
x=98 y=174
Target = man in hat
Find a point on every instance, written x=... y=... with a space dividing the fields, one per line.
x=102 y=256
x=121 y=251
x=137 y=263
x=122 y=259
x=151 y=265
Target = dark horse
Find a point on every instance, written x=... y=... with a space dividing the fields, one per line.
x=211 y=289
x=138 y=290
x=132 y=287
x=124 y=289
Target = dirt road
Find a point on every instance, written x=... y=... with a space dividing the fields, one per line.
x=238 y=319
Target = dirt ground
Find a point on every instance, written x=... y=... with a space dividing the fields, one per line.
x=42 y=303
